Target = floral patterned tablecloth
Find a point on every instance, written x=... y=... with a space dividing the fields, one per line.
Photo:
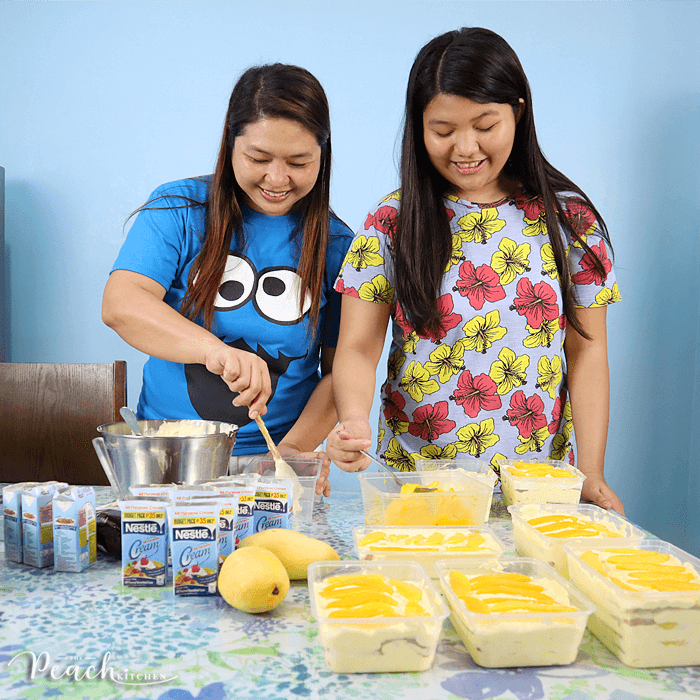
x=86 y=636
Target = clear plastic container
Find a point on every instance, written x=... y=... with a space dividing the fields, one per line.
x=378 y=644
x=389 y=548
x=476 y=468
x=529 y=542
x=642 y=628
x=383 y=503
x=540 y=489
x=507 y=639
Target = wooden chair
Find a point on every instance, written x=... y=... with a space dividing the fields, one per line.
x=48 y=417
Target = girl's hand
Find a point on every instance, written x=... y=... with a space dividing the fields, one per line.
x=596 y=490
x=345 y=440
x=323 y=486
x=243 y=372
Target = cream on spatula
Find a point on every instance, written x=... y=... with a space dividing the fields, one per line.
x=282 y=469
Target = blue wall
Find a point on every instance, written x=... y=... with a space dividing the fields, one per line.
x=102 y=101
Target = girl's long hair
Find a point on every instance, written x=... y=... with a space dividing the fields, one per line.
x=480 y=65
x=268 y=91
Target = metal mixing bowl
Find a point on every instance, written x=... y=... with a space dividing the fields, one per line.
x=148 y=459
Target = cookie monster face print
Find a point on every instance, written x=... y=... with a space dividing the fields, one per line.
x=272 y=294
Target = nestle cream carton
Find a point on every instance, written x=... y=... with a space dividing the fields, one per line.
x=273 y=505
x=74 y=528
x=37 y=523
x=12 y=513
x=183 y=492
x=194 y=546
x=144 y=542
x=245 y=493
x=149 y=490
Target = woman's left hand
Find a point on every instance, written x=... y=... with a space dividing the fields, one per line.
x=323 y=486
x=596 y=490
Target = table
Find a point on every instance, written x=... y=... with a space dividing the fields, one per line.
x=101 y=640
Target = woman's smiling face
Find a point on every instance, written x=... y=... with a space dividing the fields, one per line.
x=276 y=163
x=469 y=143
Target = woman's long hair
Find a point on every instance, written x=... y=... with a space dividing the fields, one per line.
x=480 y=65
x=268 y=91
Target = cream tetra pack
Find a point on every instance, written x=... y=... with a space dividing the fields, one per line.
x=37 y=523
x=144 y=542
x=12 y=512
x=74 y=528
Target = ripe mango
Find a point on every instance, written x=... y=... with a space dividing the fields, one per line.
x=294 y=549
x=253 y=580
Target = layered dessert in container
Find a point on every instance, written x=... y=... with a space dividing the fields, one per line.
x=425 y=545
x=514 y=612
x=376 y=617
x=544 y=481
x=459 y=499
x=647 y=599
x=476 y=468
x=541 y=531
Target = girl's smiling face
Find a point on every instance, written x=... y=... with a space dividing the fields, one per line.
x=469 y=143
x=276 y=163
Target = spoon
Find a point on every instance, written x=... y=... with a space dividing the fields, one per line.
x=419 y=489
x=282 y=469
x=130 y=418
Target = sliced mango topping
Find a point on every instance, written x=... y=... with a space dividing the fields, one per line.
x=372 y=538
x=566 y=526
x=539 y=469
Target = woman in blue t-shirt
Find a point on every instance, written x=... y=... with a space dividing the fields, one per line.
x=209 y=280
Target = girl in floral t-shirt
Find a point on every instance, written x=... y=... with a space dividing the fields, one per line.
x=494 y=270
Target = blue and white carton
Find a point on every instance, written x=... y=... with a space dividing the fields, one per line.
x=74 y=528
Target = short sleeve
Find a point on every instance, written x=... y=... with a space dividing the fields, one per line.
x=366 y=271
x=592 y=287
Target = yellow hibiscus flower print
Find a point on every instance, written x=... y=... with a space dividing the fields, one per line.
x=538 y=227
x=395 y=456
x=416 y=381
x=476 y=438
x=510 y=260
x=607 y=296
x=446 y=361
x=435 y=452
x=542 y=336
x=364 y=252
x=560 y=447
x=534 y=442
x=495 y=464
x=394 y=364
x=549 y=375
x=509 y=371
x=396 y=194
x=482 y=332
x=479 y=226
x=380 y=434
x=410 y=343
x=549 y=264
x=377 y=290
x=457 y=256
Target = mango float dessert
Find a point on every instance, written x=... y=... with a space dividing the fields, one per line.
x=541 y=531
x=516 y=612
x=647 y=601
x=425 y=545
x=540 y=482
x=375 y=617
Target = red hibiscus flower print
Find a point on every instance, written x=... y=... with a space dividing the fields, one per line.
x=537 y=304
x=405 y=326
x=527 y=414
x=572 y=458
x=590 y=275
x=532 y=207
x=562 y=321
x=479 y=285
x=450 y=213
x=557 y=413
x=393 y=405
x=579 y=216
x=342 y=289
x=431 y=421
x=476 y=394
x=382 y=220
x=448 y=319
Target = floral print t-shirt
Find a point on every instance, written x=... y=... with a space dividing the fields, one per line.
x=491 y=383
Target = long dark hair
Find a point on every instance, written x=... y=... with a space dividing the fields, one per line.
x=480 y=65
x=269 y=91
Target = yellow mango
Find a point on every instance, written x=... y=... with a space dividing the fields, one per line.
x=360 y=598
x=459 y=583
x=457 y=538
x=371 y=538
x=474 y=604
x=371 y=610
x=407 y=590
x=435 y=538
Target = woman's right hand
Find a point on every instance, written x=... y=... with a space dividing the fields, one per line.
x=243 y=372
x=344 y=441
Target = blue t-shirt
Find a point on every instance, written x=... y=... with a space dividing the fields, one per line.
x=257 y=309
